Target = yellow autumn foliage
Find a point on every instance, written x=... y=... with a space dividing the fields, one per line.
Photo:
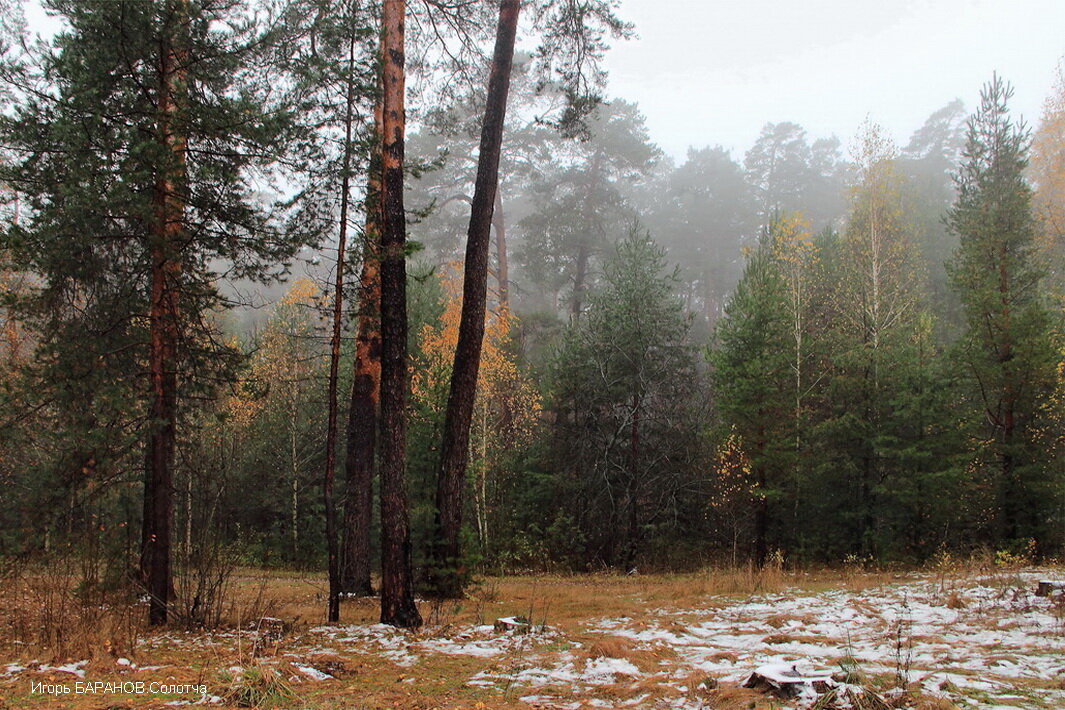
x=506 y=398
x=507 y=407
x=285 y=357
x=1047 y=170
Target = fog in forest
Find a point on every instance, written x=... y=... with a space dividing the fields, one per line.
x=532 y=353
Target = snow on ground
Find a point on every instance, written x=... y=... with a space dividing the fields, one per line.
x=974 y=641
x=77 y=669
x=979 y=642
x=405 y=648
x=311 y=672
x=982 y=641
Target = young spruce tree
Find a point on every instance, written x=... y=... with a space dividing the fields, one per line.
x=752 y=382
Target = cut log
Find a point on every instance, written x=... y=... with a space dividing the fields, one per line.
x=1050 y=588
x=789 y=679
x=517 y=624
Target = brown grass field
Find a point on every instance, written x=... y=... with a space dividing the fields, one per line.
x=654 y=641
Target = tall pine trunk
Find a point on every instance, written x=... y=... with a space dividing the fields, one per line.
x=447 y=576
x=166 y=268
x=334 y=347
x=397 y=594
x=365 y=389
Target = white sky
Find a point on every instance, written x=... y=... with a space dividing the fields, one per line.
x=709 y=72
x=713 y=72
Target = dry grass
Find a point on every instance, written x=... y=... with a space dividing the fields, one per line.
x=611 y=647
x=646 y=657
x=779 y=620
x=46 y=610
x=46 y=620
x=935 y=704
x=774 y=639
x=31 y=604
x=259 y=686
x=736 y=698
x=954 y=601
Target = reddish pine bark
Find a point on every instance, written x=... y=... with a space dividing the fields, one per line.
x=163 y=318
x=397 y=595
x=365 y=391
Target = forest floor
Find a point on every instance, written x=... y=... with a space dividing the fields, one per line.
x=951 y=638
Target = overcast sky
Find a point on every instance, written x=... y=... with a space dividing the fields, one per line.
x=713 y=72
x=709 y=72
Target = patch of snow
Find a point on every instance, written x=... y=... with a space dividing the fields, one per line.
x=998 y=635
x=604 y=669
x=74 y=668
x=784 y=673
x=311 y=672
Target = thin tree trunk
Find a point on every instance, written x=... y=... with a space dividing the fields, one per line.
x=761 y=511
x=447 y=576
x=584 y=249
x=334 y=348
x=397 y=593
x=365 y=389
x=484 y=480
x=1011 y=501
x=293 y=444
x=502 y=272
x=580 y=276
x=188 y=517
x=163 y=325
x=634 y=482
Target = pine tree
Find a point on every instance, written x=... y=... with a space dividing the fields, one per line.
x=149 y=125
x=446 y=576
x=626 y=394
x=1006 y=350
x=397 y=587
x=878 y=302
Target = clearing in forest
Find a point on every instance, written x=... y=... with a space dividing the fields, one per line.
x=966 y=639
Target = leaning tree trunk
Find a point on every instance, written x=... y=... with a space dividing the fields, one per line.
x=334 y=348
x=165 y=253
x=397 y=594
x=365 y=390
x=447 y=576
